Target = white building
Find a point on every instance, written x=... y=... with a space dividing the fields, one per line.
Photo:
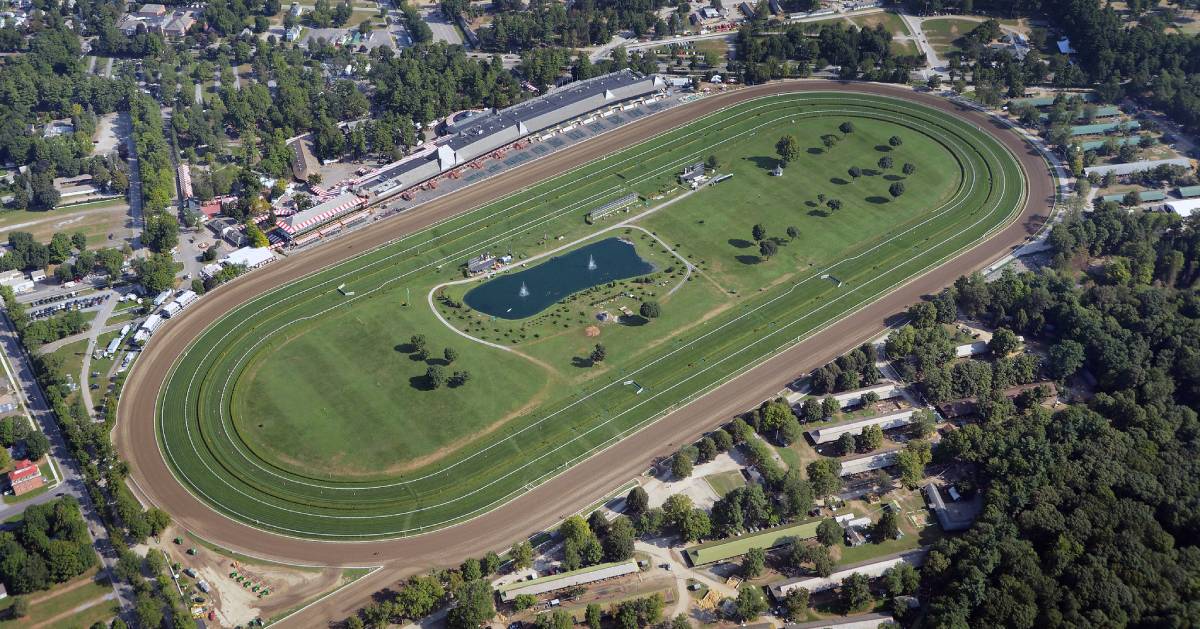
x=829 y=434
x=17 y=281
x=249 y=257
x=1185 y=207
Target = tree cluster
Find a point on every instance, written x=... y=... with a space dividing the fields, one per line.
x=50 y=544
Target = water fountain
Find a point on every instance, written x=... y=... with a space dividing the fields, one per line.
x=524 y=292
x=591 y=263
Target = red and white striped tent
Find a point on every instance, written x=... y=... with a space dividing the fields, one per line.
x=320 y=214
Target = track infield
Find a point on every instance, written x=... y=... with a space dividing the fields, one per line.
x=210 y=456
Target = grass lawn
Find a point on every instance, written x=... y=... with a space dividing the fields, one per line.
x=280 y=393
x=901 y=42
x=712 y=552
x=725 y=482
x=96 y=219
x=943 y=32
x=57 y=603
x=72 y=357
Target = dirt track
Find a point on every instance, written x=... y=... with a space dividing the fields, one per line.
x=581 y=485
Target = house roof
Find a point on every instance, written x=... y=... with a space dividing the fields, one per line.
x=25 y=470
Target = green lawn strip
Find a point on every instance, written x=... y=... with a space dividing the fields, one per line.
x=942 y=33
x=58 y=604
x=604 y=416
x=120 y=317
x=721 y=550
x=725 y=482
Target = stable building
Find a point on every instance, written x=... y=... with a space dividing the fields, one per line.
x=829 y=434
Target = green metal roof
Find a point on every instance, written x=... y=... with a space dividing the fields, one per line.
x=1145 y=195
x=1096 y=129
x=1092 y=145
x=1046 y=101
x=1188 y=192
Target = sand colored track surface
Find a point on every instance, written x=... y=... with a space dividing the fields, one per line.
x=153 y=481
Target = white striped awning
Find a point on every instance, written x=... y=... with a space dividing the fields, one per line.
x=319 y=214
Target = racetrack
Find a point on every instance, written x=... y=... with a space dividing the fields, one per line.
x=581 y=485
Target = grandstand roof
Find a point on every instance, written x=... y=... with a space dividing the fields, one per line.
x=319 y=214
x=562 y=98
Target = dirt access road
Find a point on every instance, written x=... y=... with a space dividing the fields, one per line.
x=153 y=481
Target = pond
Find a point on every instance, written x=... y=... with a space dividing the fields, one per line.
x=520 y=295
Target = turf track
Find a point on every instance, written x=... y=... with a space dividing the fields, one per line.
x=206 y=453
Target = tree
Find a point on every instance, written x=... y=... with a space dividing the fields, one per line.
x=767 y=248
x=870 y=438
x=593 y=616
x=846 y=127
x=417 y=342
x=19 y=607
x=521 y=555
x=855 y=172
x=885 y=162
x=855 y=593
x=712 y=162
x=753 y=563
x=787 y=148
x=637 y=501
x=896 y=189
x=460 y=377
x=793 y=232
x=36 y=446
x=1004 y=342
x=750 y=603
x=524 y=601
x=696 y=526
x=834 y=204
x=419 y=597
x=830 y=405
x=474 y=607
x=435 y=376
x=680 y=621
x=901 y=579
x=796 y=604
x=846 y=444
x=450 y=354
x=650 y=309
x=888 y=526
x=558 y=619
x=471 y=569
x=909 y=168
x=895 y=141
x=1064 y=359
x=161 y=232
x=829 y=532
x=681 y=465
x=599 y=353
x=824 y=474
x=618 y=544
x=758 y=232
x=156 y=272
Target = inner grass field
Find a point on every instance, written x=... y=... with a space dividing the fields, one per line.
x=302 y=411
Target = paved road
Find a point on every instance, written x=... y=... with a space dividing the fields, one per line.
x=586 y=482
x=125 y=129
x=72 y=479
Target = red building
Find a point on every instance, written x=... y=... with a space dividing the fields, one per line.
x=25 y=478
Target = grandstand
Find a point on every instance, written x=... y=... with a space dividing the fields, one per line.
x=610 y=207
x=478 y=134
x=307 y=221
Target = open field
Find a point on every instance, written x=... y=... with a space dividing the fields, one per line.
x=974 y=187
x=75 y=604
x=943 y=32
x=96 y=219
x=722 y=550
